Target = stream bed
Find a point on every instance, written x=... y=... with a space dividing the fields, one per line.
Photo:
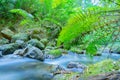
x=14 y=67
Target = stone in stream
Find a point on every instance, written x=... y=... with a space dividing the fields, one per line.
x=9 y=48
x=21 y=43
x=7 y=33
x=36 y=43
x=53 y=52
x=75 y=65
x=21 y=68
x=1 y=54
x=31 y=52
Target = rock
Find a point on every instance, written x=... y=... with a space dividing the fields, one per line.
x=76 y=65
x=31 y=52
x=77 y=50
x=107 y=76
x=36 y=43
x=4 y=41
x=0 y=53
x=20 y=36
x=48 y=56
x=44 y=41
x=56 y=52
x=114 y=47
x=20 y=52
x=9 y=48
x=21 y=43
x=37 y=33
x=7 y=33
x=52 y=43
x=51 y=52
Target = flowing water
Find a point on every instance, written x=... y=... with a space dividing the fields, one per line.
x=13 y=67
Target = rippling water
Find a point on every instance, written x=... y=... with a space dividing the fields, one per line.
x=66 y=58
x=13 y=67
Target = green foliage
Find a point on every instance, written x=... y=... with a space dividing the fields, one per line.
x=56 y=52
x=5 y=6
x=94 y=24
x=27 y=16
x=101 y=67
x=23 y=13
x=28 y=5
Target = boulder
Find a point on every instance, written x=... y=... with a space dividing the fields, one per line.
x=52 y=52
x=9 y=48
x=20 y=36
x=37 y=33
x=44 y=41
x=0 y=53
x=4 y=41
x=21 y=43
x=75 y=65
x=36 y=43
x=31 y=52
x=7 y=33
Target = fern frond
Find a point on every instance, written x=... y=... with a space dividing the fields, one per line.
x=23 y=13
x=86 y=22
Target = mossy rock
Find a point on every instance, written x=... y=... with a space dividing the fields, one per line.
x=56 y=52
x=101 y=67
x=36 y=43
x=20 y=36
x=7 y=33
x=114 y=47
x=71 y=76
x=76 y=50
x=4 y=41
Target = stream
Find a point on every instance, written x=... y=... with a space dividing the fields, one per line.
x=14 y=67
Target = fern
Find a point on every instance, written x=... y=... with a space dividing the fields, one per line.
x=87 y=22
x=23 y=13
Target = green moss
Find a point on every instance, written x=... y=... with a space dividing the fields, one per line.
x=102 y=67
x=76 y=49
x=71 y=76
x=56 y=52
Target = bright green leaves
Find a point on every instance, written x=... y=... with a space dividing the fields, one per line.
x=78 y=24
x=91 y=49
x=92 y=26
x=27 y=16
x=23 y=13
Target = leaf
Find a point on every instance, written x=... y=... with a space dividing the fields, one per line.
x=23 y=13
x=91 y=49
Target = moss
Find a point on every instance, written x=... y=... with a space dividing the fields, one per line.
x=56 y=52
x=101 y=67
x=77 y=49
x=71 y=76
